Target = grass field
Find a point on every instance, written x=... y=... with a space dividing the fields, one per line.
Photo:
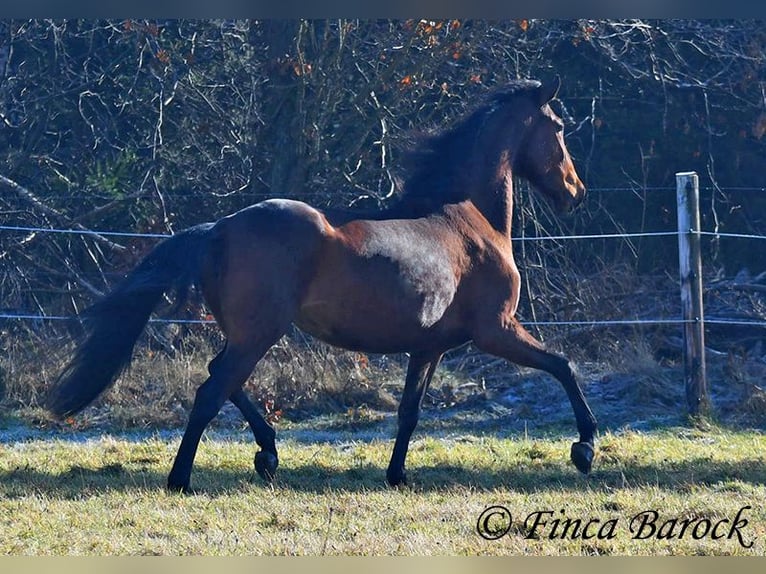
x=104 y=495
x=94 y=485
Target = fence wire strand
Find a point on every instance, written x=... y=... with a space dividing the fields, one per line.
x=595 y=323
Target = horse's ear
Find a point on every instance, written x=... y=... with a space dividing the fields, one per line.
x=549 y=89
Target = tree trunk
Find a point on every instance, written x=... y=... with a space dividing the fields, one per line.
x=284 y=109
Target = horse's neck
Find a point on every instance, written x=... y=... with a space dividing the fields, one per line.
x=494 y=199
x=489 y=186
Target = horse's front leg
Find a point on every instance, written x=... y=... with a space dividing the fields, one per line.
x=420 y=370
x=511 y=341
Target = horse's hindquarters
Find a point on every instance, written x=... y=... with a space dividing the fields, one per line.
x=259 y=265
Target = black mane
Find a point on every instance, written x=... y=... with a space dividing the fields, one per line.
x=437 y=164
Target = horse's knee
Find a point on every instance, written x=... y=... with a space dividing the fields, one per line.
x=212 y=366
x=563 y=369
x=407 y=417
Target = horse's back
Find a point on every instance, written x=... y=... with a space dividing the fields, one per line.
x=277 y=220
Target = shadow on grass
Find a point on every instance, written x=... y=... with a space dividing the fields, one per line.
x=79 y=482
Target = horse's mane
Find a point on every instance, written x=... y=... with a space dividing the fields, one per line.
x=435 y=167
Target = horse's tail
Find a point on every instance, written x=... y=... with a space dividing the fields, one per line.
x=113 y=324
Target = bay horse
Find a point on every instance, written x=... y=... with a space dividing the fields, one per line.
x=433 y=272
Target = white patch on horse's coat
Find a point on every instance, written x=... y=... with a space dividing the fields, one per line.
x=424 y=267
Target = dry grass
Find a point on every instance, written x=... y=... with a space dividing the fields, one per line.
x=626 y=382
x=491 y=434
x=297 y=378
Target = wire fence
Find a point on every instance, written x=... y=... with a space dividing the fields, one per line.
x=582 y=323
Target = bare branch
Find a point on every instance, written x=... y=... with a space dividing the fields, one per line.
x=28 y=197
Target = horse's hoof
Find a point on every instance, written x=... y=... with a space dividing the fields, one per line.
x=582 y=454
x=266 y=465
x=176 y=487
x=396 y=480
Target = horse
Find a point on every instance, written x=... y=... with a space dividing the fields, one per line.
x=430 y=273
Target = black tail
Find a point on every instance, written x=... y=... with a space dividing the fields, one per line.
x=114 y=323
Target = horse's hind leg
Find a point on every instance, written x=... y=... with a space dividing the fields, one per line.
x=228 y=372
x=511 y=341
x=266 y=459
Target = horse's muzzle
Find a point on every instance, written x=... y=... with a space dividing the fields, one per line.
x=579 y=196
x=571 y=200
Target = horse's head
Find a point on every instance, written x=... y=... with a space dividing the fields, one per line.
x=514 y=132
x=541 y=156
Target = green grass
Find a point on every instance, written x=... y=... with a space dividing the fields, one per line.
x=106 y=495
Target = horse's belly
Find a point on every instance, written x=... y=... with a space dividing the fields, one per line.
x=373 y=331
x=367 y=319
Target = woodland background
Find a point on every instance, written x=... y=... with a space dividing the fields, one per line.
x=150 y=126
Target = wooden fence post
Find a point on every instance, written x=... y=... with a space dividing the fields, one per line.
x=690 y=267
